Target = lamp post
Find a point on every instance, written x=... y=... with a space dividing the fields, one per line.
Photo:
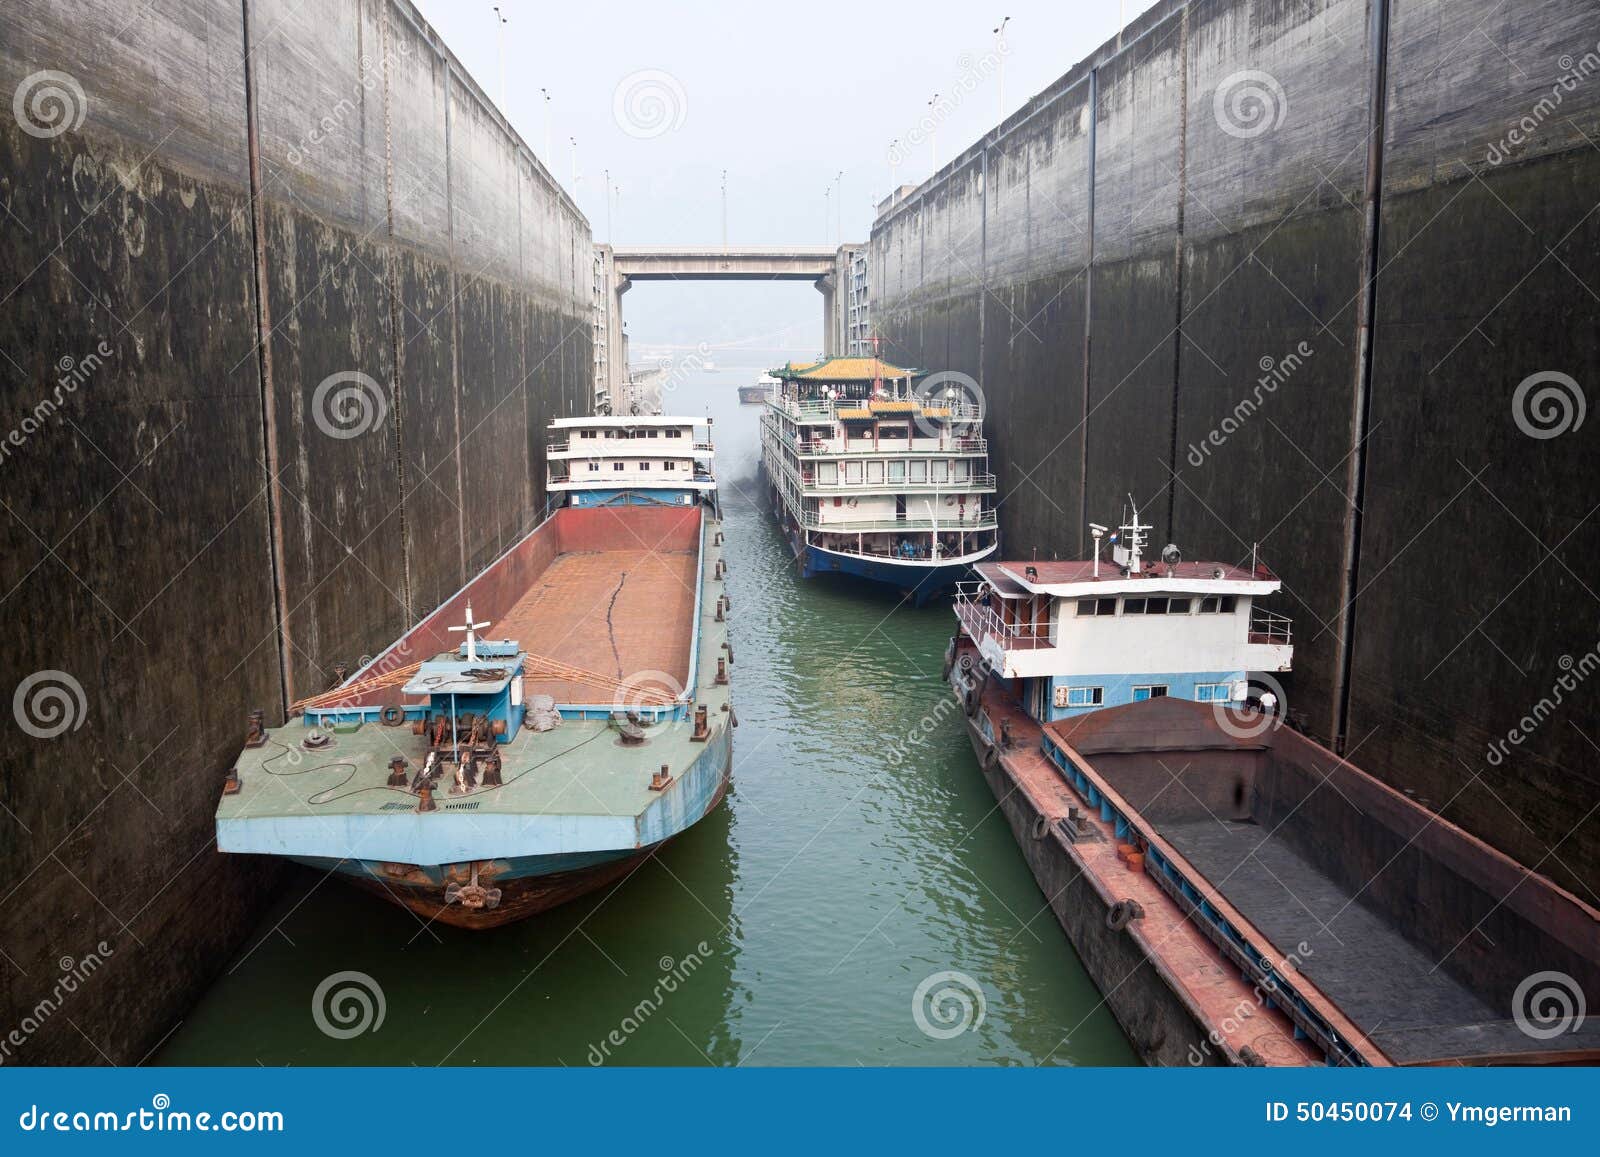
x=500 y=51
x=549 y=152
x=574 y=141
x=724 y=210
x=606 y=176
x=933 y=130
x=894 y=165
x=1000 y=51
x=827 y=211
x=838 y=208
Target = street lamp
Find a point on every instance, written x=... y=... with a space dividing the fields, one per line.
x=1000 y=51
x=724 y=210
x=838 y=207
x=894 y=164
x=933 y=130
x=549 y=153
x=827 y=211
x=574 y=141
x=500 y=51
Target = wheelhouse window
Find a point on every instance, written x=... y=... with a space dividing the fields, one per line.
x=1218 y=604
x=1152 y=691
x=1211 y=692
x=1133 y=606
x=1079 y=696
x=1088 y=607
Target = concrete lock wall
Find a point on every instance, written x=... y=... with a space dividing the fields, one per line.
x=1130 y=264
x=193 y=524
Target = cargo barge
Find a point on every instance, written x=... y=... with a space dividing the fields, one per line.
x=1240 y=894
x=874 y=474
x=478 y=780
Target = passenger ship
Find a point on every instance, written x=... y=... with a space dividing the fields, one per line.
x=1294 y=909
x=477 y=780
x=873 y=477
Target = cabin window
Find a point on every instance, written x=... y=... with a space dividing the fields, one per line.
x=941 y=471
x=1208 y=605
x=897 y=472
x=1211 y=692
x=1079 y=696
x=588 y=433
x=669 y=466
x=1087 y=607
x=594 y=466
x=1178 y=606
x=644 y=466
x=959 y=470
x=674 y=433
x=874 y=471
x=919 y=472
x=1133 y=606
x=1153 y=691
x=650 y=433
x=1155 y=606
x=852 y=472
x=1228 y=603
x=616 y=466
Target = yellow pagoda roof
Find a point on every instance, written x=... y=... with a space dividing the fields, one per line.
x=845 y=370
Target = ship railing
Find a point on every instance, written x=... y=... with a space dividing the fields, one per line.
x=981 y=620
x=830 y=447
x=981 y=520
x=557 y=447
x=1266 y=627
x=950 y=487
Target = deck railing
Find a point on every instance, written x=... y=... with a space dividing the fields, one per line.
x=983 y=520
x=981 y=620
x=1266 y=627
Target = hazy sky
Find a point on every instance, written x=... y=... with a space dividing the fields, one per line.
x=783 y=96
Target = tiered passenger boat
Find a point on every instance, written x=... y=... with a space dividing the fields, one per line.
x=874 y=475
x=547 y=727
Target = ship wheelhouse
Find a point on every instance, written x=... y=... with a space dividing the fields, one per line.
x=1074 y=637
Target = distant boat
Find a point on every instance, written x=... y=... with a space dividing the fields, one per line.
x=870 y=478
x=481 y=780
x=759 y=391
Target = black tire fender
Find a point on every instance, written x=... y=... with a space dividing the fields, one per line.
x=969 y=701
x=1041 y=827
x=1120 y=914
x=990 y=757
x=392 y=716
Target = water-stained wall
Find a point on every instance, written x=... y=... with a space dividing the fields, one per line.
x=284 y=309
x=1319 y=276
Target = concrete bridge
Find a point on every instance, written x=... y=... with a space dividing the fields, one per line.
x=826 y=267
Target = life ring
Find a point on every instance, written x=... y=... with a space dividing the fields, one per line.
x=1041 y=827
x=950 y=501
x=392 y=716
x=852 y=502
x=1121 y=913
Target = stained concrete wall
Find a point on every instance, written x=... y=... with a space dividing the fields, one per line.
x=181 y=537
x=1126 y=258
